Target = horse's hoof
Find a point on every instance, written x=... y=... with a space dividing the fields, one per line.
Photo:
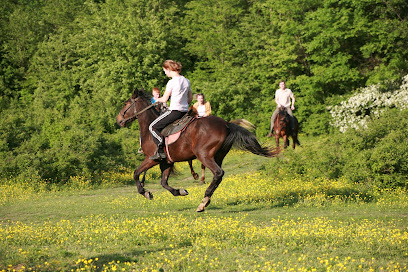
x=183 y=192
x=195 y=176
x=202 y=181
x=205 y=203
x=148 y=195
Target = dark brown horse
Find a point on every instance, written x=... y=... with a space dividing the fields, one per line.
x=206 y=139
x=282 y=128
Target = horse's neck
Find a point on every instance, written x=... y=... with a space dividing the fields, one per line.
x=145 y=119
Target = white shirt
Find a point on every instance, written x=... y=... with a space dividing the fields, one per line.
x=283 y=96
x=201 y=110
x=179 y=87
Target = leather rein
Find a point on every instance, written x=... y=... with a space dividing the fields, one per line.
x=136 y=114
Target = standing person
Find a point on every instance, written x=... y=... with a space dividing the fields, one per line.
x=202 y=108
x=179 y=89
x=283 y=97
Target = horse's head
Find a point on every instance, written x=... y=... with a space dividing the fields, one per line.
x=283 y=117
x=133 y=106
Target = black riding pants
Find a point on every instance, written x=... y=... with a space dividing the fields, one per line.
x=161 y=122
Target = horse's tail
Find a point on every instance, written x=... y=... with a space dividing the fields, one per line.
x=244 y=123
x=245 y=140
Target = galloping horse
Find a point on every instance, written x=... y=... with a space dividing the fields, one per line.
x=282 y=128
x=206 y=139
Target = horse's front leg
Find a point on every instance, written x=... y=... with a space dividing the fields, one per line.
x=146 y=164
x=195 y=175
x=166 y=169
x=143 y=179
x=285 y=140
x=277 y=135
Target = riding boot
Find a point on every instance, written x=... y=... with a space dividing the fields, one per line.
x=159 y=154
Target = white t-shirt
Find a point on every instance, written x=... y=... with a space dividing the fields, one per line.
x=201 y=110
x=283 y=96
x=179 y=87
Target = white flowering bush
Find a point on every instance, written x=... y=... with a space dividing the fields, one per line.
x=369 y=103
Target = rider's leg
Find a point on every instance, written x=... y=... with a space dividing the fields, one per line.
x=155 y=129
x=273 y=121
x=157 y=126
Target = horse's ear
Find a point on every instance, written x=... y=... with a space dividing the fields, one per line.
x=135 y=93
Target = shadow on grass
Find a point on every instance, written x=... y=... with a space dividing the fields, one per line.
x=288 y=199
x=105 y=262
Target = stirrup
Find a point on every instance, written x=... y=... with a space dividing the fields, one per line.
x=159 y=155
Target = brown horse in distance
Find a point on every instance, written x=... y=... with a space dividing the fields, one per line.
x=282 y=128
x=206 y=139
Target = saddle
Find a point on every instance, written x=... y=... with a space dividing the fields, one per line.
x=178 y=125
x=173 y=131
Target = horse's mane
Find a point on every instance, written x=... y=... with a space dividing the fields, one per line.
x=147 y=98
x=144 y=95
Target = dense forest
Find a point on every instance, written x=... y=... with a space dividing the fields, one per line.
x=67 y=66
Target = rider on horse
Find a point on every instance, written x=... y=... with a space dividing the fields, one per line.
x=179 y=89
x=282 y=99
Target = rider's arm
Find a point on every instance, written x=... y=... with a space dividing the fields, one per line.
x=293 y=101
x=189 y=97
x=165 y=96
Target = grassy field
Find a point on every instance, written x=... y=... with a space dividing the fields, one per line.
x=255 y=222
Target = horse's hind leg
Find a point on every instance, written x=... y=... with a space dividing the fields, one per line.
x=195 y=175
x=294 y=140
x=202 y=180
x=218 y=174
x=166 y=169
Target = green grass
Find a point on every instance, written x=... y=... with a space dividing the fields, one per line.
x=255 y=222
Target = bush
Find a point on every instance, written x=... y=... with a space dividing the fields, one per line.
x=368 y=103
x=376 y=156
x=381 y=151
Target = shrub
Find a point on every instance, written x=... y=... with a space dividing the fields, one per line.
x=376 y=156
x=369 y=103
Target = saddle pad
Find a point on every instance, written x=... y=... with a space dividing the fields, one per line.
x=172 y=138
x=177 y=125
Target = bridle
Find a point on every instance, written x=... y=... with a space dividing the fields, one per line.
x=135 y=113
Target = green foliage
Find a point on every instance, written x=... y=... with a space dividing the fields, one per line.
x=383 y=151
x=67 y=66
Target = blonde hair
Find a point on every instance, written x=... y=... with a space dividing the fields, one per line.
x=172 y=65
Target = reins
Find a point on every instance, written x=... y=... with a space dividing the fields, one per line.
x=136 y=114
